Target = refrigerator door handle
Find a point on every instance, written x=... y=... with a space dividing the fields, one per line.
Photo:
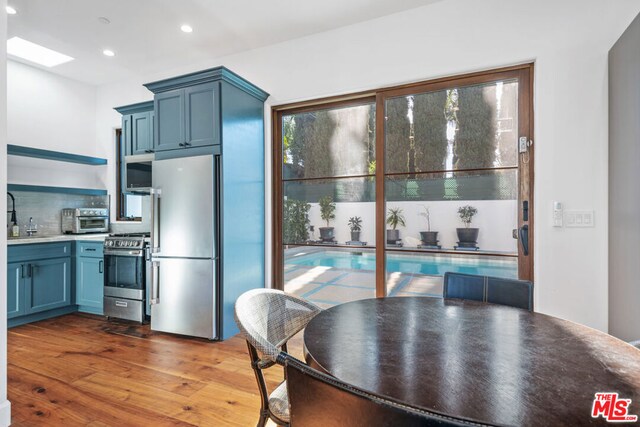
x=155 y=283
x=155 y=219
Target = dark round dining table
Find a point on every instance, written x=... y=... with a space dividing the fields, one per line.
x=484 y=362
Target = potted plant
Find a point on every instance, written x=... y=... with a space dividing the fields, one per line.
x=467 y=236
x=327 y=213
x=428 y=238
x=355 y=225
x=394 y=219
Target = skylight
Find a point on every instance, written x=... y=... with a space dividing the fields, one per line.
x=32 y=52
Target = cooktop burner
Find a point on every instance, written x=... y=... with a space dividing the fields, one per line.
x=130 y=235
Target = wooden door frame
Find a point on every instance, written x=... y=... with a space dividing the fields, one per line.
x=523 y=73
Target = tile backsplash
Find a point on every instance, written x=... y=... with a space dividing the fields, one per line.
x=45 y=209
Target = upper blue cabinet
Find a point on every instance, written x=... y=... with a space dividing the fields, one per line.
x=188 y=107
x=137 y=128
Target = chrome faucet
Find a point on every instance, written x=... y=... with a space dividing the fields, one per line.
x=31 y=228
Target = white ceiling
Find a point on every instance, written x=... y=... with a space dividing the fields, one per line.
x=146 y=36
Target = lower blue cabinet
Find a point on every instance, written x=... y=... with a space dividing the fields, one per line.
x=15 y=290
x=89 y=284
x=38 y=282
x=49 y=284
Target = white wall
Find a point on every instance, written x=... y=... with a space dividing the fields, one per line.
x=496 y=219
x=54 y=113
x=5 y=405
x=568 y=41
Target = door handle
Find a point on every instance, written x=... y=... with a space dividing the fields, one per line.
x=155 y=220
x=155 y=283
x=29 y=270
x=101 y=266
x=22 y=271
x=524 y=239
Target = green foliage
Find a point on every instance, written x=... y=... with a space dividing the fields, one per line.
x=475 y=144
x=327 y=209
x=295 y=221
x=355 y=223
x=466 y=214
x=288 y=126
x=427 y=215
x=395 y=218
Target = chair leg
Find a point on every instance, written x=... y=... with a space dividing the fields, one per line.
x=264 y=416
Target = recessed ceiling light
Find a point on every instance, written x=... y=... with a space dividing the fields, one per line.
x=11 y=10
x=104 y=20
x=108 y=52
x=186 y=28
x=35 y=53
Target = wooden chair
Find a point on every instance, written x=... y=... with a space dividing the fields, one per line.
x=268 y=318
x=496 y=290
x=317 y=400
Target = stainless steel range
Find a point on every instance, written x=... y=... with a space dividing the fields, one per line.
x=126 y=276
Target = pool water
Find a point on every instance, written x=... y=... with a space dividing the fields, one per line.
x=416 y=264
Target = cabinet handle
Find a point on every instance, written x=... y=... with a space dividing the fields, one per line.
x=90 y=249
x=182 y=144
x=101 y=267
x=187 y=144
x=29 y=270
x=22 y=271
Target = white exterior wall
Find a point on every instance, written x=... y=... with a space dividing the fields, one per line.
x=496 y=219
x=568 y=41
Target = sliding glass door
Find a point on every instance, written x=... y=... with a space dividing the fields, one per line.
x=382 y=193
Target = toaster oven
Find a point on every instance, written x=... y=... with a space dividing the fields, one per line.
x=85 y=220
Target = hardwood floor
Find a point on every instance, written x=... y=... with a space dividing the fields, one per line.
x=83 y=370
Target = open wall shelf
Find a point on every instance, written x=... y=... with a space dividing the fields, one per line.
x=65 y=190
x=17 y=150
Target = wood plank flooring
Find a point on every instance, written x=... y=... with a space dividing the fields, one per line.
x=82 y=370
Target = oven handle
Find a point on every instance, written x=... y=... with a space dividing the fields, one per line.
x=134 y=254
x=155 y=283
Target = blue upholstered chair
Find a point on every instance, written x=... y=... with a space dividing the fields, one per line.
x=496 y=290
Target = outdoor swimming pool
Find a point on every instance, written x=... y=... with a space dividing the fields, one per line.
x=428 y=264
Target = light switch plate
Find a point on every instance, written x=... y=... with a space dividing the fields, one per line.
x=557 y=214
x=579 y=219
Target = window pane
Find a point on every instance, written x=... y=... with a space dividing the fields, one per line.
x=329 y=142
x=329 y=258
x=469 y=127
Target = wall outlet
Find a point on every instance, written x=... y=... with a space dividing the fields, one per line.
x=579 y=219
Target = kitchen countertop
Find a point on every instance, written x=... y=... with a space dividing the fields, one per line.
x=59 y=238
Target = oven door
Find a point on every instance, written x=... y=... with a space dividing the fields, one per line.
x=124 y=276
x=92 y=224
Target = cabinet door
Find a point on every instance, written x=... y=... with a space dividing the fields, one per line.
x=89 y=284
x=201 y=109
x=141 y=133
x=49 y=283
x=15 y=290
x=169 y=120
x=127 y=135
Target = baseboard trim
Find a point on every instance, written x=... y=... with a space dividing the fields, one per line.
x=5 y=413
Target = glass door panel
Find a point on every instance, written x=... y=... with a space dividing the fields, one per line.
x=328 y=204
x=451 y=185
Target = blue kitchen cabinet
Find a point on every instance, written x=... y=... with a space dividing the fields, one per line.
x=126 y=135
x=15 y=290
x=49 y=284
x=169 y=121
x=142 y=133
x=137 y=128
x=39 y=282
x=187 y=117
x=201 y=115
x=89 y=277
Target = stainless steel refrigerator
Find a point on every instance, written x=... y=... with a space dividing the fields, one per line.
x=184 y=254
